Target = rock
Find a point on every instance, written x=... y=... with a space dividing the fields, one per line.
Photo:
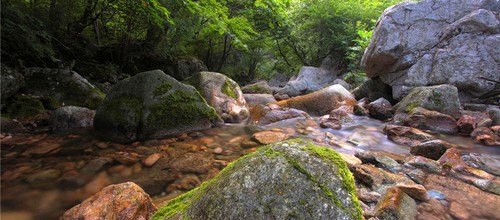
x=380 y=109
x=264 y=115
x=368 y=196
x=310 y=79
x=278 y=80
x=22 y=106
x=267 y=137
x=360 y=110
x=433 y=149
x=42 y=149
x=277 y=181
x=199 y=163
x=188 y=67
x=11 y=81
x=258 y=99
x=470 y=120
x=342 y=83
x=260 y=87
x=62 y=87
x=495 y=116
x=486 y=136
x=71 y=117
x=95 y=165
x=373 y=89
x=415 y=191
x=150 y=160
x=429 y=43
x=157 y=104
x=350 y=160
x=433 y=210
x=368 y=175
x=395 y=204
x=222 y=93
x=475 y=107
x=337 y=118
x=321 y=102
x=431 y=120
x=406 y=135
x=441 y=98
x=423 y=163
x=120 y=201
x=11 y=125
x=451 y=158
x=44 y=176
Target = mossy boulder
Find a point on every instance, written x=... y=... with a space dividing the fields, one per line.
x=260 y=87
x=440 y=98
x=62 y=87
x=152 y=105
x=222 y=93
x=11 y=81
x=293 y=179
x=22 y=105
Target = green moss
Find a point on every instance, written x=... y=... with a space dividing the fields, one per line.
x=24 y=106
x=256 y=88
x=80 y=95
x=228 y=89
x=435 y=98
x=124 y=110
x=412 y=106
x=162 y=89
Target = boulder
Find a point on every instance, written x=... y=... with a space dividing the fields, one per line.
x=11 y=81
x=71 y=117
x=406 y=135
x=278 y=80
x=120 y=201
x=440 y=98
x=433 y=149
x=222 y=93
x=310 y=79
x=291 y=179
x=436 y=42
x=188 y=67
x=264 y=115
x=62 y=87
x=22 y=106
x=380 y=109
x=321 y=102
x=258 y=99
x=260 y=87
x=342 y=83
x=373 y=89
x=495 y=116
x=152 y=105
x=431 y=120
x=396 y=204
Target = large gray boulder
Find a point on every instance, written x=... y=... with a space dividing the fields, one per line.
x=152 y=105
x=222 y=93
x=437 y=42
x=290 y=179
x=310 y=79
x=441 y=98
x=11 y=81
x=62 y=87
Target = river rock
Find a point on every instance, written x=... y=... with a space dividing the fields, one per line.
x=11 y=81
x=119 y=201
x=260 y=87
x=373 y=89
x=337 y=118
x=406 y=135
x=278 y=80
x=431 y=149
x=222 y=93
x=321 y=102
x=152 y=105
x=429 y=43
x=264 y=115
x=495 y=116
x=258 y=99
x=342 y=83
x=486 y=136
x=277 y=181
x=310 y=79
x=431 y=120
x=71 y=117
x=380 y=109
x=267 y=137
x=396 y=204
x=62 y=87
x=440 y=98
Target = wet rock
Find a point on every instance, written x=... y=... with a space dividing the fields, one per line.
x=440 y=98
x=486 y=136
x=11 y=125
x=199 y=163
x=321 y=102
x=222 y=93
x=267 y=137
x=415 y=191
x=432 y=210
x=495 y=116
x=42 y=149
x=43 y=176
x=466 y=124
x=431 y=120
x=260 y=87
x=360 y=110
x=482 y=162
x=423 y=163
x=265 y=115
x=452 y=157
x=368 y=175
x=368 y=196
x=22 y=106
x=475 y=107
x=381 y=159
x=125 y=158
x=95 y=165
x=187 y=182
x=67 y=118
x=155 y=102
x=417 y=175
x=433 y=149
x=120 y=201
x=291 y=172
x=150 y=160
x=11 y=81
x=258 y=99
x=396 y=204
x=406 y=135
x=337 y=118
x=380 y=109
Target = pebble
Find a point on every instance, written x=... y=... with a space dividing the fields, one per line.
x=151 y=160
x=218 y=150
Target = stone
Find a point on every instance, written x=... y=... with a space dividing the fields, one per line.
x=373 y=89
x=433 y=210
x=157 y=104
x=42 y=149
x=277 y=181
x=395 y=204
x=495 y=116
x=342 y=83
x=406 y=135
x=360 y=110
x=62 y=87
x=259 y=99
x=350 y=160
x=429 y=43
x=440 y=98
x=337 y=118
x=310 y=79
x=67 y=118
x=22 y=106
x=199 y=163
x=321 y=102
x=415 y=191
x=260 y=87
x=385 y=160
x=423 y=163
x=119 y=201
x=222 y=93
x=95 y=165
x=368 y=175
x=267 y=137
x=470 y=120
x=380 y=109
x=433 y=149
x=265 y=115
x=11 y=81
x=368 y=196
x=150 y=160
x=11 y=125
x=486 y=136
x=278 y=80
x=451 y=158
x=44 y=176
x=475 y=107
x=431 y=120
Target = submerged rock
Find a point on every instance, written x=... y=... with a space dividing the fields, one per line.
x=71 y=117
x=431 y=120
x=321 y=102
x=222 y=93
x=121 y=201
x=152 y=105
x=291 y=179
x=441 y=98
x=406 y=135
x=337 y=118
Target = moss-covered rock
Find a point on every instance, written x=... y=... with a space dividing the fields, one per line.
x=62 y=87
x=260 y=87
x=290 y=179
x=440 y=98
x=222 y=93
x=11 y=81
x=22 y=105
x=152 y=105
